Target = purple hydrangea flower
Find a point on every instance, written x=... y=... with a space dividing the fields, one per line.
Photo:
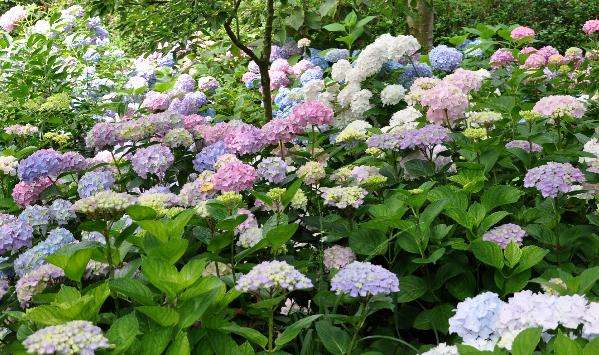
x=184 y=83
x=44 y=162
x=273 y=275
x=525 y=145
x=155 y=159
x=412 y=71
x=189 y=104
x=552 y=178
x=505 y=233
x=336 y=54
x=15 y=235
x=206 y=158
x=93 y=182
x=73 y=161
x=36 y=281
x=390 y=141
x=198 y=190
x=445 y=58
x=103 y=134
x=361 y=279
x=337 y=257
x=245 y=139
x=424 y=137
x=74 y=337
x=272 y=169
x=311 y=74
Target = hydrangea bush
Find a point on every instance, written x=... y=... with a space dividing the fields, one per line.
x=398 y=202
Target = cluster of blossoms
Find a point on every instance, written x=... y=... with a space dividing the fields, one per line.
x=337 y=257
x=424 y=138
x=250 y=237
x=14 y=234
x=553 y=178
x=485 y=321
x=343 y=197
x=8 y=165
x=504 y=234
x=272 y=169
x=312 y=172
x=21 y=130
x=155 y=159
x=591 y=147
x=522 y=32
x=35 y=257
x=590 y=27
x=74 y=337
x=12 y=17
x=104 y=203
x=445 y=58
x=274 y=276
x=234 y=176
x=95 y=181
x=527 y=146
x=557 y=106
x=36 y=281
x=362 y=279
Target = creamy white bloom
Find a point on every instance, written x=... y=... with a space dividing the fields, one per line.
x=360 y=102
x=312 y=89
x=8 y=165
x=403 y=119
x=392 y=94
x=340 y=69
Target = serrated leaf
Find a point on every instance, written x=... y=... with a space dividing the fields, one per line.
x=162 y=315
x=294 y=329
x=488 y=253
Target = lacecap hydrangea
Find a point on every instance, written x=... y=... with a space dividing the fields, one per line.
x=274 y=276
x=74 y=337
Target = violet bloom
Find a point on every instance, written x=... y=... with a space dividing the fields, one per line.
x=362 y=279
x=155 y=159
x=44 y=162
x=504 y=234
x=553 y=178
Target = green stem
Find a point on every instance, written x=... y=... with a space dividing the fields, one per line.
x=270 y=329
x=109 y=250
x=359 y=326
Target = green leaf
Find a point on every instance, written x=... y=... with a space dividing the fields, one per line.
x=248 y=333
x=296 y=19
x=512 y=254
x=334 y=339
x=436 y=255
x=566 y=346
x=531 y=256
x=161 y=315
x=170 y=251
x=491 y=220
x=278 y=236
x=420 y=168
x=412 y=288
x=161 y=274
x=526 y=341
x=156 y=228
x=138 y=213
x=328 y=7
x=592 y=348
x=488 y=253
x=334 y=27
x=73 y=258
x=435 y=318
x=368 y=242
x=177 y=225
x=364 y=21
x=133 y=289
x=194 y=308
x=294 y=329
x=180 y=345
x=155 y=341
x=432 y=211
x=122 y=333
x=588 y=279
x=350 y=19
x=500 y=195
x=291 y=191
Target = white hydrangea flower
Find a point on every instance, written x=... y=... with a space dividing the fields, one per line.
x=345 y=96
x=442 y=349
x=312 y=89
x=340 y=69
x=360 y=102
x=403 y=119
x=392 y=94
x=8 y=165
x=250 y=237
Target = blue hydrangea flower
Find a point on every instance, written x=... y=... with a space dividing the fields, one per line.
x=336 y=54
x=14 y=235
x=412 y=71
x=445 y=58
x=35 y=257
x=360 y=279
x=311 y=74
x=272 y=169
x=93 y=182
x=206 y=158
x=470 y=50
x=35 y=216
x=317 y=60
x=62 y=211
x=189 y=104
x=475 y=319
x=44 y=162
x=166 y=60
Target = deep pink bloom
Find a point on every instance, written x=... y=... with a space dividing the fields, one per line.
x=590 y=27
x=522 y=32
x=310 y=113
x=234 y=176
x=501 y=57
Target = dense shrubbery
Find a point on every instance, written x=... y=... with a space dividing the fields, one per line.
x=398 y=203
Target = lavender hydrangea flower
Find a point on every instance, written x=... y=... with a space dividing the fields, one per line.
x=475 y=320
x=273 y=275
x=206 y=158
x=525 y=145
x=93 y=182
x=336 y=54
x=337 y=257
x=198 y=190
x=445 y=58
x=189 y=104
x=425 y=137
x=36 y=216
x=73 y=161
x=14 y=235
x=44 y=162
x=36 y=281
x=35 y=257
x=391 y=141
x=155 y=159
x=311 y=74
x=272 y=169
x=184 y=84
x=102 y=135
x=505 y=233
x=553 y=178
x=74 y=337
x=62 y=211
x=362 y=279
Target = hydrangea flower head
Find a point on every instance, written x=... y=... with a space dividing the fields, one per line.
x=466 y=80
x=337 y=257
x=556 y=106
x=36 y=281
x=446 y=103
x=178 y=137
x=522 y=32
x=553 y=178
x=312 y=172
x=26 y=194
x=44 y=162
x=74 y=337
x=250 y=237
x=206 y=158
x=244 y=139
x=501 y=57
x=590 y=27
x=12 y=17
x=343 y=197
x=273 y=275
x=8 y=165
x=35 y=216
x=14 y=235
x=95 y=181
x=392 y=94
x=234 y=176
x=155 y=159
x=445 y=58
x=188 y=104
x=104 y=203
x=35 y=257
x=272 y=169
x=362 y=279
x=279 y=130
x=475 y=320
x=198 y=190
x=528 y=147
x=156 y=101
x=311 y=113
x=208 y=83
x=425 y=137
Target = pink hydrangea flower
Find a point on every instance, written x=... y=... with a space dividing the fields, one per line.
x=11 y=17
x=277 y=130
x=534 y=61
x=244 y=139
x=218 y=132
x=310 y=113
x=446 y=103
x=26 y=194
x=590 y=27
x=547 y=51
x=156 y=101
x=528 y=50
x=556 y=59
x=501 y=57
x=302 y=66
x=559 y=105
x=234 y=176
x=466 y=80
x=281 y=65
x=522 y=32
x=278 y=79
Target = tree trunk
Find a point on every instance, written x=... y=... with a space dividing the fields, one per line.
x=420 y=21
